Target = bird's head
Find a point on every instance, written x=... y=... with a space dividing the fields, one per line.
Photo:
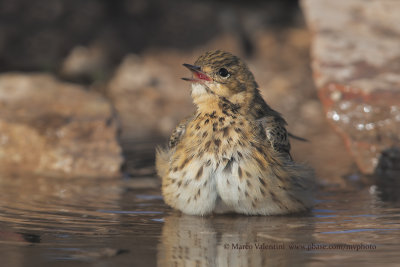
x=221 y=74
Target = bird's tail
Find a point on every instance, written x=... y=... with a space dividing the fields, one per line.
x=303 y=181
x=297 y=137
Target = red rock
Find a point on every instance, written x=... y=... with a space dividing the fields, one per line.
x=369 y=123
x=356 y=57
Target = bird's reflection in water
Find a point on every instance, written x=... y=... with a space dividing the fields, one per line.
x=233 y=240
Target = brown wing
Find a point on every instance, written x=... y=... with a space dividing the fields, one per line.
x=276 y=134
x=278 y=137
x=178 y=132
x=273 y=123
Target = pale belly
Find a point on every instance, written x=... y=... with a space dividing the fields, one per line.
x=226 y=169
x=228 y=182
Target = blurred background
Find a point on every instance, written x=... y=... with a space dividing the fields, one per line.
x=40 y=35
x=131 y=53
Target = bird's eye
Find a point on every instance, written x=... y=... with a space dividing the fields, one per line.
x=224 y=73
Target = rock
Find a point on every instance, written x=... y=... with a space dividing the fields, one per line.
x=369 y=123
x=85 y=63
x=54 y=128
x=149 y=96
x=356 y=65
x=387 y=175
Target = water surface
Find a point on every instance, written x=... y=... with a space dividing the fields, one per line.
x=103 y=222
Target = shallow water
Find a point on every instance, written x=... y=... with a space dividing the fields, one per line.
x=47 y=222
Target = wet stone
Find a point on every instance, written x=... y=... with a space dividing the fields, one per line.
x=54 y=128
x=387 y=174
x=356 y=67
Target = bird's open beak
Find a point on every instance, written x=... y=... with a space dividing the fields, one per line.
x=198 y=75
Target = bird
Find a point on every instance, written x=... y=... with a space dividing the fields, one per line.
x=233 y=154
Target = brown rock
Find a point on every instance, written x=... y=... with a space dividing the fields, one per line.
x=149 y=96
x=88 y=62
x=55 y=128
x=356 y=57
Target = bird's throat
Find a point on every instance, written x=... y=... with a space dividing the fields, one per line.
x=203 y=97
